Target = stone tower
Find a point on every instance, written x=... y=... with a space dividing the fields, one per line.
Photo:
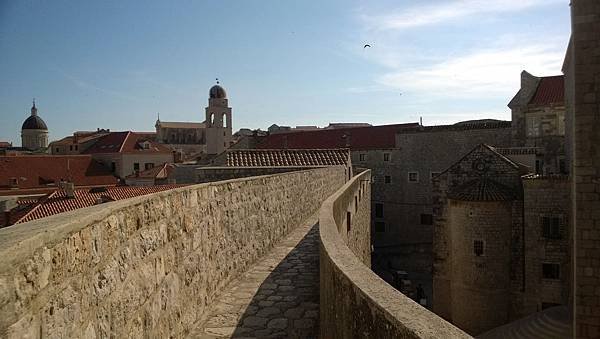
x=34 y=132
x=218 y=121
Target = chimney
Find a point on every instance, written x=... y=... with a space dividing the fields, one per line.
x=69 y=190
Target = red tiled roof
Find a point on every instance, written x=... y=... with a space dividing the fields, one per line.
x=288 y=157
x=4 y=144
x=56 y=202
x=40 y=171
x=551 y=90
x=374 y=137
x=127 y=142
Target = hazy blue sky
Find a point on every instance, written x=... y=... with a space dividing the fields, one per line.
x=115 y=64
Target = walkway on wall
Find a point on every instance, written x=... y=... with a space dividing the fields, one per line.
x=278 y=297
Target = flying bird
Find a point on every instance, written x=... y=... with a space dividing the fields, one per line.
x=367 y=45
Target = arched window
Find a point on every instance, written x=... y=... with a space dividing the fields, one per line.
x=212 y=118
x=225 y=120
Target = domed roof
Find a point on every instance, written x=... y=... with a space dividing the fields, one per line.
x=217 y=92
x=34 y=122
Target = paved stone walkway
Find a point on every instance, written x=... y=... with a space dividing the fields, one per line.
x=277 y=298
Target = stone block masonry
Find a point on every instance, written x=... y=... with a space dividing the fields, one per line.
x=148 y=266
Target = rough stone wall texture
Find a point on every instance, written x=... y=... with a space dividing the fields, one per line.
x=463 y=171
x=545 y=197
x=148 y=266
x=586 y=167
x=480 y=284
x=355 y=302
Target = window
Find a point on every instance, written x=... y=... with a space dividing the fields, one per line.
x=136 y=166
x=361 y=157
x=413 y=176
x=76 y=147
x=113 y=167
x=355 y=204
x=551 y=227
x=148 y=165
x=386 y=157
x=348 y=221
x=539 y=167
x=378 y=210
x=426 y=219
x=70 y=147
x=57 y=150
x=550 y=271
x=478 y=247
x=13 y=181
x=379 y=227
x=433 y=175
x=387 y=179
x=225 y=121
x=562 y=166
x=533 y=126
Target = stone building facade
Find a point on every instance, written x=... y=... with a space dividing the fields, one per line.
x=583 y=72
x=500 y=241
x=538 y=117
x=211 y=137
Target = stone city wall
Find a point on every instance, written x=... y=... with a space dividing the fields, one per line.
x=355 y=302
x=210 y=174
x=147 y=266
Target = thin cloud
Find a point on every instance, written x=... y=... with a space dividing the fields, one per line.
x=448 y=11
x=489 y=72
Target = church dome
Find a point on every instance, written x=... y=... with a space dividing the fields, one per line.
x=217 y=92
x=34 y=122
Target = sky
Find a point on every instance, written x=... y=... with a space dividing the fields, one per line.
x=117 y=64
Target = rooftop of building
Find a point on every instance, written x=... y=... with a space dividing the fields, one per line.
x=177 y=124
x=157 y=172
x=374 y=137
x=482 y=189
x=460 y=126
x=287 y=157
x=550 y=90
x=128 y=142
x=43 y=171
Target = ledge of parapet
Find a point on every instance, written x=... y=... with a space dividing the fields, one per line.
x=406 y=318
x=22 y=240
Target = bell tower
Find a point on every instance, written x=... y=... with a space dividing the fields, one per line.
x=218 y=121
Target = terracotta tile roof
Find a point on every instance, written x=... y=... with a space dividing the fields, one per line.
x=5 y=144
x=374 y=137
x=176 y=124
x=127 y=142
x=288 y=157
x=40 y=171
x=482 y=189
x=551 y=90
x=56 y=202
x=157 y=172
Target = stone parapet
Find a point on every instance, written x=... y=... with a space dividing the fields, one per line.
x=355 y=302
x=148 y=266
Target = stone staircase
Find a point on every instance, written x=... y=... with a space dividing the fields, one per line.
x=550 y=323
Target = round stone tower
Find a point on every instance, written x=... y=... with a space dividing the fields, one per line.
x=480 y=216
x=34 y=132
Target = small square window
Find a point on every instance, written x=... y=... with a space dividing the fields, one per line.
x=550 y=271
x=379 y=227
x=136 y=166
x=478 y=247
x=148 y=165
x=361 y=157
x=378 y=210
x=386 y=157
x=413 y=176
x=426 y=219
x=551 y=227
x=387 y=179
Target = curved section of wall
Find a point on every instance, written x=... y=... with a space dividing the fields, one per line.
x=355 y=302
x=147 y=266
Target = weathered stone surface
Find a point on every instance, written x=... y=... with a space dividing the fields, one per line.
x=148 y=266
